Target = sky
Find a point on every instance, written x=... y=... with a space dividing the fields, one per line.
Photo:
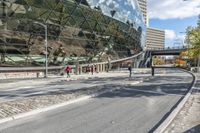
x=173 y=16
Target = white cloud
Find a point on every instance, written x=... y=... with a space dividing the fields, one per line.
x=173 y=38
x=181 y=37
x=170 y=34
x=167 y=9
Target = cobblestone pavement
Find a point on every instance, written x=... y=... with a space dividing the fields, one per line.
x=59 y=95
x=188 y=119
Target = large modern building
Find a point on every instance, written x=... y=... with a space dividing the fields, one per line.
x=143 y=7
x=155 y=37
x=78 y=30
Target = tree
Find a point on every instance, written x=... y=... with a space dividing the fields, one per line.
x=193 y=39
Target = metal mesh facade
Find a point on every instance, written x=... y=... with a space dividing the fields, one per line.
x=78 y=30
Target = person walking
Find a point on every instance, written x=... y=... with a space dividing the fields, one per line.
x=130 y=70
x=68 y=69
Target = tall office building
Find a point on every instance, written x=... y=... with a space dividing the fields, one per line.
x=155 y=37
x=143 y=7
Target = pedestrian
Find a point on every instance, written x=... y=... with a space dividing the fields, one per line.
x=130 y=70
x=68 y=69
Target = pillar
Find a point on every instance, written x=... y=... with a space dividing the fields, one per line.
x=97 y=68
x=104 y=67
x=80 y=69
x=100 y=68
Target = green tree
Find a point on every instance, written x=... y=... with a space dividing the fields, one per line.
x=193 y=39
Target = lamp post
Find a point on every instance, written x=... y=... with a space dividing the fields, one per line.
x=188 y=49
x=46 y=51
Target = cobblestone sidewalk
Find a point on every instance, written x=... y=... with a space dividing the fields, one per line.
x=188 y=119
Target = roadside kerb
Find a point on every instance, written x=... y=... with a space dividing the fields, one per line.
x=162 y=127
x=52 y=107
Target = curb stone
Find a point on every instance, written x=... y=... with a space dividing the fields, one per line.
x=162 y=127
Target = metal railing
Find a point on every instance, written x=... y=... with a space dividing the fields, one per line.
x=51 y=68
x=169 y=48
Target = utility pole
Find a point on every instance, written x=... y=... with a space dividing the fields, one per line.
x=46 y=48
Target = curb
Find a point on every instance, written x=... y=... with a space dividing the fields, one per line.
x=162 y=127
x=52 y=107
x=37 y=111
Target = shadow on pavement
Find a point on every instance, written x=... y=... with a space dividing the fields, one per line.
x=195 y=129
x=147 y=90
x=156 y=86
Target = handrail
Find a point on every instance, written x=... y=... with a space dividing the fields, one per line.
x=168 y=48
x=19 y=69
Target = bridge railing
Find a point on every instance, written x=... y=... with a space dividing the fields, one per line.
x=170 y=48
x=177 y=47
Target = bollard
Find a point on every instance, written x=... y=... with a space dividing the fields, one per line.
x=100 y=67
x=37 y=74
x=152 y=71
x=80 y=69
x=97 y=68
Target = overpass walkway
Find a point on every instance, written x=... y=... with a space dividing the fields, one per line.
x=166 y=51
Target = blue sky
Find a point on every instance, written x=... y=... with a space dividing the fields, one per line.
x=173 y=16
x=176 y=25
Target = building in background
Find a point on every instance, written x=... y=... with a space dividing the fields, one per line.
x=143 y=7
x=155 y=38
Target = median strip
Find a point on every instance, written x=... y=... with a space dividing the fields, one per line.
x=37 y=104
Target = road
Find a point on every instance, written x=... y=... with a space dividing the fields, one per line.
x=132 y=108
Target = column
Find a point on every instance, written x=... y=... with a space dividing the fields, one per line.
x=97 y=68
x=80 y=69
x=104 y=67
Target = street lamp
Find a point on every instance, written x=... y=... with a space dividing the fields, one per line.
x=46 y=45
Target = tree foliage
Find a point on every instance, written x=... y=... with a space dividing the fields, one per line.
x=193 y=38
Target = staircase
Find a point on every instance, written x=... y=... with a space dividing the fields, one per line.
x=146 y=59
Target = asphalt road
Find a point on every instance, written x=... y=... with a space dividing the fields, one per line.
x=131 y=109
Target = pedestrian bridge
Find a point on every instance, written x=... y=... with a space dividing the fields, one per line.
x=147 y=58
x=168 y=51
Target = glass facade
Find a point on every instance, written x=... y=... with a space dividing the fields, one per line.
x=78 y=30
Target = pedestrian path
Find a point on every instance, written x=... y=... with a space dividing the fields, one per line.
x=188 y=119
